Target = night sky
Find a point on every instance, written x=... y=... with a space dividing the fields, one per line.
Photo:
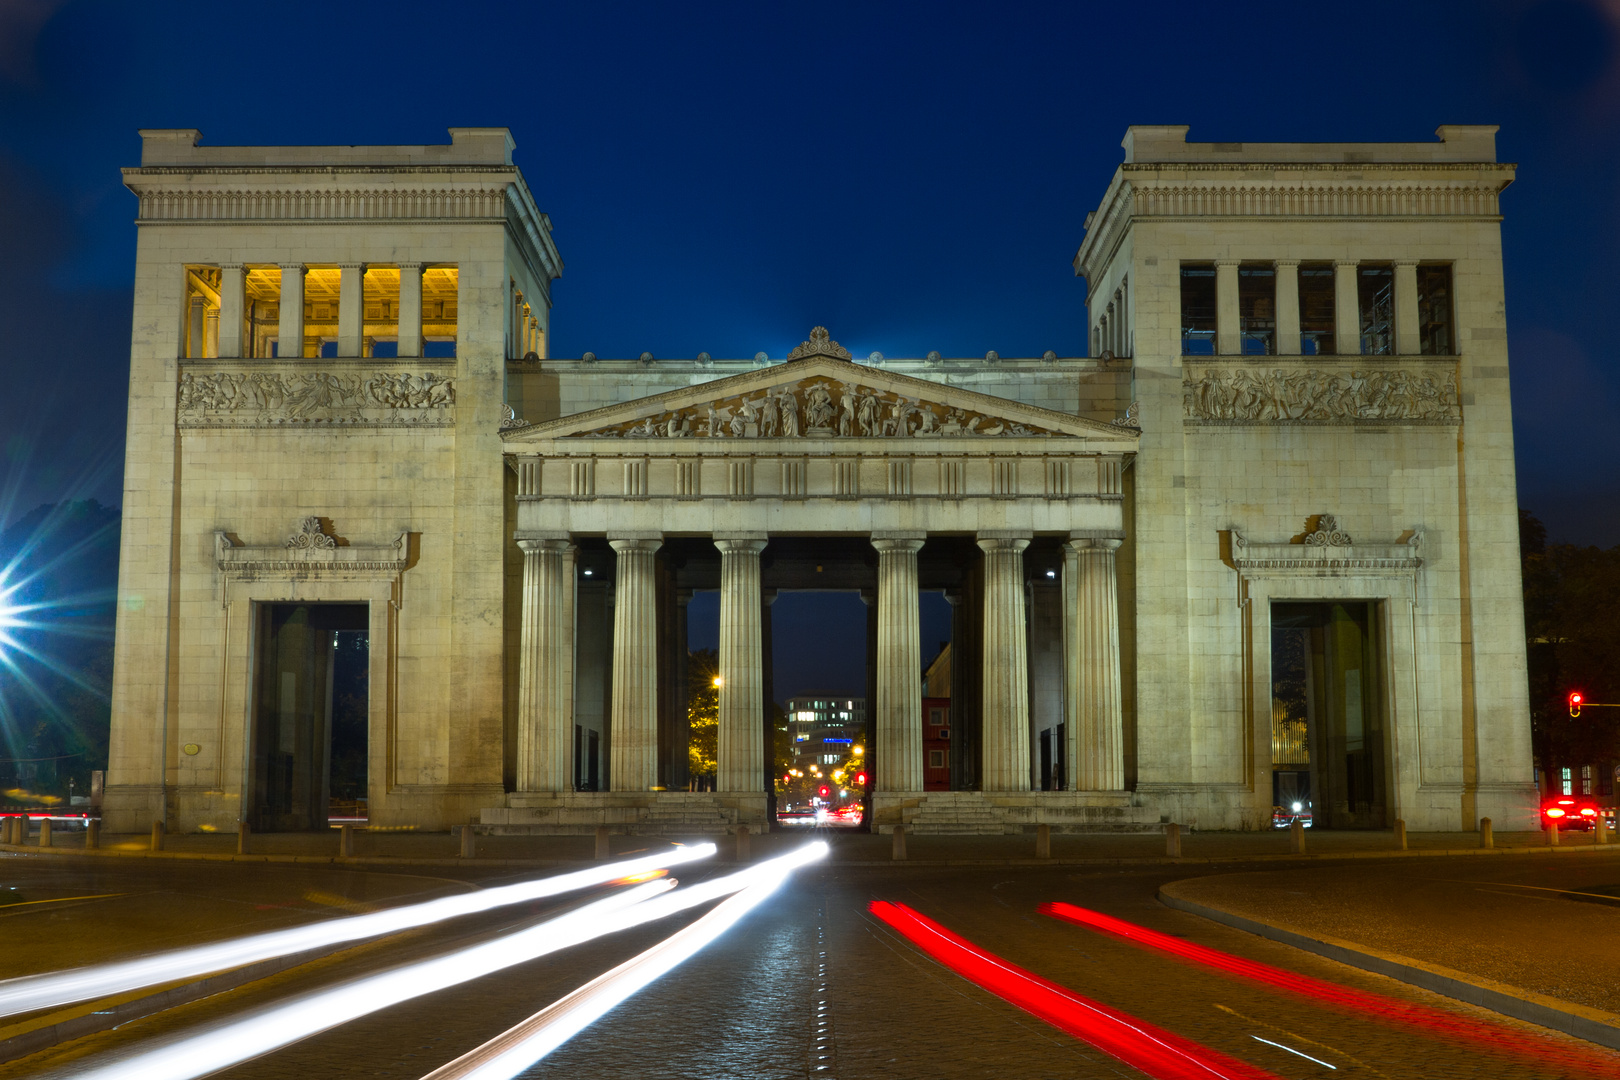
x=724 y=177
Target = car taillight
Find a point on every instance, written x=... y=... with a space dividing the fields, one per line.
x=1553 y=811
x=1588 y=812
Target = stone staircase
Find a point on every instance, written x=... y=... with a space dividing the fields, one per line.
x=970 y=813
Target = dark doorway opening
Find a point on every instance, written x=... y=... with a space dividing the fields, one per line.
x=311 y=716
x=1327 y=730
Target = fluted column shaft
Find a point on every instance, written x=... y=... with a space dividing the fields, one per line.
x=633 y=719
x=898 y=760
x=1096 y=715
x=740 y=738
x=1005 y=714
x=545 y=721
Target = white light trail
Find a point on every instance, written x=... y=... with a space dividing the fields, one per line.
x=236 y=1041
x=510 y=1053
x=1291 y=1050
x=81 y=984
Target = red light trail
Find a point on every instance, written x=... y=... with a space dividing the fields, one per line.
x=1142 y=1046
x=1474 y=1034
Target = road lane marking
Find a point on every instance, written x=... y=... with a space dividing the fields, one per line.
x=1297 y=1037
x=1291 y=1050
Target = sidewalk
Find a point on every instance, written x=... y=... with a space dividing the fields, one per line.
x=1537 y=939
x=385 y=848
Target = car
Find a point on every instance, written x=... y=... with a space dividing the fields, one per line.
x=1573 y=812
x=1284 y=816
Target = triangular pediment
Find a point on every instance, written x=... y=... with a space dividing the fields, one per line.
x=820 y=397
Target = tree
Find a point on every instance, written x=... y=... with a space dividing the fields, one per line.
x=703 y=712
x=1572 y=635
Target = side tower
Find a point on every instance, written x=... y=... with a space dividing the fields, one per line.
x=310 y=588
x=1321 y=582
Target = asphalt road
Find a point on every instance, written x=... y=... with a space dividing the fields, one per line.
x=812 y=985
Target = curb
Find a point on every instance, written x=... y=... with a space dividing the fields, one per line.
x=1593 y=1025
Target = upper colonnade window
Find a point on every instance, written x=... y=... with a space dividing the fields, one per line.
x=1316 y=310
x=1376 y=296
x=322 y=286
x=1434 y=310
x=261 y=310
x=440 y=285
x=200 y=334
x=1257 y=308
x=379 y=335
x=1198 y=309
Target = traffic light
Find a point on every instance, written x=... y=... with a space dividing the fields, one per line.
x=824 y=791
x=1575 y=703
x=860 y=779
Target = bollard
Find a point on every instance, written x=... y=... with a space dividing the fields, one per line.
x=1400 y=835
x=742 y=843
x=1552 y=835
x=346 y=842
x=157 y=836
x=1600 y=834
x=244 y=836
x=1172 y=839
x=8 y=834
x=1296 y=836
x=601 y=841
x=92 y=834
x=45 y=832
x=1486 y=839
x=899 y=851
x=1043 y=841
x=469 y=843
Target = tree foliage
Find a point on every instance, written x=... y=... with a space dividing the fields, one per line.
x=1572 y=632
x=703 y=712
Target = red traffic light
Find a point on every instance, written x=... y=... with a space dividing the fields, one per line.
x=824 y=791
x=1575 y=698
x=860 y=779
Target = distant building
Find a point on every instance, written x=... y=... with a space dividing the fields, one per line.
x=825 y=729
x=936 y=743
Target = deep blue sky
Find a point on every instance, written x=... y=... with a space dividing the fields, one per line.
x=723 y=177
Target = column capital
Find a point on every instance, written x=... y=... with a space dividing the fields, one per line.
x=230 y=266
x=351 y=266
x=741 y=543
x=1280 y=263
x=637 y=543
x=1352 y=263
x=544 y=544
x=404 y=266
x=897 y=543
x=1228 y=262
x=297 y=268
x=999 y=540
x=1096 y=543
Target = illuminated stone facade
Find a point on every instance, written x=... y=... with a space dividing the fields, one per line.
x=1127 y=538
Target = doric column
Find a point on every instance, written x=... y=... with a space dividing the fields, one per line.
x=1346 y=308
x=230 y=309
x=633 y=731
x=1005 y=712
x=545 y=719
x=1228 y=338
x=898 y=760
x=1095 y=713
x=742 y=701
x=351 y=307
x=290 y=331
x=410 y=309
x=1287 y=307
x=1406 y=308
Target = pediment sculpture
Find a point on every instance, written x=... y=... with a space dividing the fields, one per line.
x=820 y=407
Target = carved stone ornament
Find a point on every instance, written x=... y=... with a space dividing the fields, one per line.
x=1326 y=533
x=820 y=344
x=816 y=407
x=509 y=419
x=1313 y=396
x=1131 y=419
x=260 y=398
x=310 y=535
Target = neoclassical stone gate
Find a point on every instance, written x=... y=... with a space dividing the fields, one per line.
x=819 y=450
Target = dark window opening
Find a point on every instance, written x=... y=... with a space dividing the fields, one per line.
x=1257 y=310
x=1434 y=310
x=1316 y=310
x=1375 y=294
x=1198 y=309
x=312 y=716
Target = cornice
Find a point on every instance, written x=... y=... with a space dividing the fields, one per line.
x=464 y=204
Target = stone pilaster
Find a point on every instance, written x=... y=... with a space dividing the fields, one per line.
x=898 y=757
x=1095 y=712
x=351 y=307
x=1287 y=307
x=1005 y=712
x=1406 y=307
x=633 y=716
x=1228 y=333
x=742 y=679
x=410 y=309
x=290 y=330
x=1346 y=308
x=231 y=280
x=545 y=719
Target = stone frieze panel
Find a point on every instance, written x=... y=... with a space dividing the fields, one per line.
x=1277 y=395
x=315 y=398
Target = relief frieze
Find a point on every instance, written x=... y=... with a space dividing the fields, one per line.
x=1314 y=396
x=273 y=398
x=817 y=408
